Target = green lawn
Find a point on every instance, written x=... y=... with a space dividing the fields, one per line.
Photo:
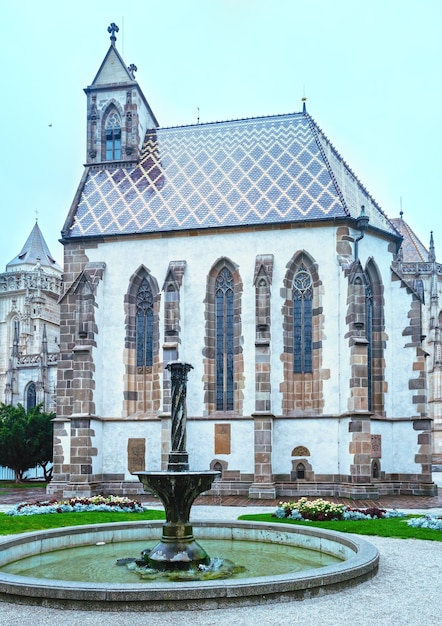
x=395 y=527
x=11 y=525
x=6 y=486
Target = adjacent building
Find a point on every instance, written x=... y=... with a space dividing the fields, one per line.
x=29 y=325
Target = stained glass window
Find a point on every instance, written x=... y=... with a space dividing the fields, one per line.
x=302 y=321
x=144 y=325
x=113 y=137
x=31 y=396
x=224 y=340
x=369 y=336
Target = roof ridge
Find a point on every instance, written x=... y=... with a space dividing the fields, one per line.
x=350 y=170
x=236 y=119
x=312 y=125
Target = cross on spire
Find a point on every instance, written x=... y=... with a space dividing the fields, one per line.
x=112 y=29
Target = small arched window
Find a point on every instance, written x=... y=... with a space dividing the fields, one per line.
x=31 y=396
x=302 y=321
x=144 y=325
x=113 y=137
x=217 y=467
x=300 y=471
x=375 y=470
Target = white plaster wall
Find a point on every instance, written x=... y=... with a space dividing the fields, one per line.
x=123 y=258
x=399 y=445
x=108 y=355
x=320 y=436
x=399 y=359
x=115 y=437
x=201 y=445
x=65 y=441
x=97 y=442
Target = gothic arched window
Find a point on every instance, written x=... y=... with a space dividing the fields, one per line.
x=31 y=396
x=375 y=326
x=113 y=137
x=144 y=325
x=302 y=321
x=369 y=336
x=224 y=341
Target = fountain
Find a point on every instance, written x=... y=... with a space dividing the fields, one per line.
x=178 y=552
x=177 y=488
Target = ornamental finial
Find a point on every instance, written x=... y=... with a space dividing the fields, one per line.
x=112 y=29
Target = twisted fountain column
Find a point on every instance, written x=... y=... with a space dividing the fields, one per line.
x=177 y=488
x=178 y=457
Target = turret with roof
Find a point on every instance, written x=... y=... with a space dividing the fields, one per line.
x=34 y=252
x=118 y=112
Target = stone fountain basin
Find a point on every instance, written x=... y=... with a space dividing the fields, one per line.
x=360 y=562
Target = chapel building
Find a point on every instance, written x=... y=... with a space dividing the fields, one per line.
x=250 y=250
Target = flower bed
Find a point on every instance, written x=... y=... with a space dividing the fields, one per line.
x=113 y=504
x=433 y=522
x=323 y=511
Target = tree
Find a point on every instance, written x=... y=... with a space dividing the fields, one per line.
x=41 y=434
x=25 y=439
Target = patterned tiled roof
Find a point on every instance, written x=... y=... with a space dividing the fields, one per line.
x=255 y=171
x=413 y=250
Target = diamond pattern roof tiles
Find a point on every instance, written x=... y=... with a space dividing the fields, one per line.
x=413 y=250
x=244 y=172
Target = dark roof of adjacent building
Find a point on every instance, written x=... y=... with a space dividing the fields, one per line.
x=258 y=171
x=413 y=250
x=34 y=252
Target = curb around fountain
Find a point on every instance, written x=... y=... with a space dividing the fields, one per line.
x=360 y=564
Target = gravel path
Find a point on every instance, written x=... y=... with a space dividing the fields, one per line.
x=406 y=591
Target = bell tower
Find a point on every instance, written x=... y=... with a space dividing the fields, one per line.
x=118 y=114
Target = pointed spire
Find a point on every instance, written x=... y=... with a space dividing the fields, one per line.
x=34 y=252
x=304 y=108
x=437 y=356
x=431 y=253
x=44 y=341
x=14 y=353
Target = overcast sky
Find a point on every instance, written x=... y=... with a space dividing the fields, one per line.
x=371 y=72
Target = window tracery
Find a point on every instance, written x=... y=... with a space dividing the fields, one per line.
x=113 y=137
x=224 y=340
x=302 y=321
x=144 y=324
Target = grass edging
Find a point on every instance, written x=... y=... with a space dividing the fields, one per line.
x=396 y=528
x=28 y=523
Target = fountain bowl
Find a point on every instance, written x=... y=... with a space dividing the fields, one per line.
x=360 y=562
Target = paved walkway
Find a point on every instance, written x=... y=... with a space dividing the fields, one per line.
x=390 y=502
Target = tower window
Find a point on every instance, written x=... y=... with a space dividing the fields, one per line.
x=113 y=137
